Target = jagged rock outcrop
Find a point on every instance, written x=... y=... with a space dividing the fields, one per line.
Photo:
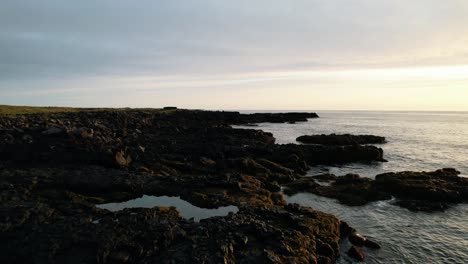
x=341 y=140
x=54 y=169
x=417 y=191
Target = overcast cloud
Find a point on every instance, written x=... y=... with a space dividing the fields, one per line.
x=85 y=48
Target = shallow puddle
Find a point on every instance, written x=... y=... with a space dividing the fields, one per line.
x=185 y=209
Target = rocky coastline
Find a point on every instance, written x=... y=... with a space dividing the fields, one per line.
x=56 y=167
x=345 y=139
x=416 y=191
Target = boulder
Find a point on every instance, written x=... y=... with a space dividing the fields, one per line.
x=121 y=159
x=303 y=184
x=416 y=191
x=346 y=229
x=356 y=253
x=371 y=244
x=360 y=241
x=84 y=132
x=357 y=239
x=325 y=249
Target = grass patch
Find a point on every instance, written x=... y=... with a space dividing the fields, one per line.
x=22 y=110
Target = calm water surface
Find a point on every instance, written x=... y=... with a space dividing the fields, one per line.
x=185 y=209
x=417 y=141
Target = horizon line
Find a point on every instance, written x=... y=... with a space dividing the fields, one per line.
x=249 y=110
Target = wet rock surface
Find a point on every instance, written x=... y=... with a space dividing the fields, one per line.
x=290 y=118
x=416 y=191
x=345 y=139
x=356 y=253
x=54 y=169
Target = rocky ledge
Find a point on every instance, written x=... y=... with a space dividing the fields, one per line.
x=291 y=117
x=55 y=168
x=345 y=139
x=416 y=191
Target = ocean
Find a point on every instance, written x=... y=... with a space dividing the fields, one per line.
x=417 y=141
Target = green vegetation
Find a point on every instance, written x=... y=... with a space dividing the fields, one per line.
x=18 y=110
x=21 y=110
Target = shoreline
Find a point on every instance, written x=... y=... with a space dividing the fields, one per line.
x=56 y=167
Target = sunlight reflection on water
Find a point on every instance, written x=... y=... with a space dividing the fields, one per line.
x=416 y=142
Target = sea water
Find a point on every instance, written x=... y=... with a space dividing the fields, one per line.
x=185 y=208
x=417 y=141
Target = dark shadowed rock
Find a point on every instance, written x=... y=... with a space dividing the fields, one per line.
x=346 y=230
x=417 y=191
x=119 y=256
x=121 y=159
x=345 y=139
x=356 y=253
x=84 y=132
x=357 y=239
x=50 y=184
x=303 y=184
x=276 y=118
x=325 y=177
x=423 y=205
x=441 y=185
x=360 y=241
x=371 y=244
x=321 y=154
x=325 y=249
x=52 y=131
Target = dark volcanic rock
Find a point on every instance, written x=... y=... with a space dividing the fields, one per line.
x=360 y=241
x=68 y=229
x=346 y=229
x=425 y=191
x=54 y=168
x=345 y=139
x=441 y=185
x=52 y=131
x=371 y=244
x=417 y=191
x=325 y=177
x=423 y=205
x=356 y=253
x=276 y=118
x=319 y=154
x=303 y=184
x=357 y=239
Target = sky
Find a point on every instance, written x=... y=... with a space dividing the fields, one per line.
x=243 y=54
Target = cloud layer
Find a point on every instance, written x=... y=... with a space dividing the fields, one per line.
x=69 y=51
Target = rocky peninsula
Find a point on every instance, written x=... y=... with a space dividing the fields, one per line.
x=345 y=139
x=416 y=191
x=56 y=167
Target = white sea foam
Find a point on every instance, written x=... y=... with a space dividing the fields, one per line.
x=416 y=142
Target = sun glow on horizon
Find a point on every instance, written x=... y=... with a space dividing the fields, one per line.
x=406 y=88
x=362 y=54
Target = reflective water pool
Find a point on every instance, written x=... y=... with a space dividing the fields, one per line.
x=185 y=209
